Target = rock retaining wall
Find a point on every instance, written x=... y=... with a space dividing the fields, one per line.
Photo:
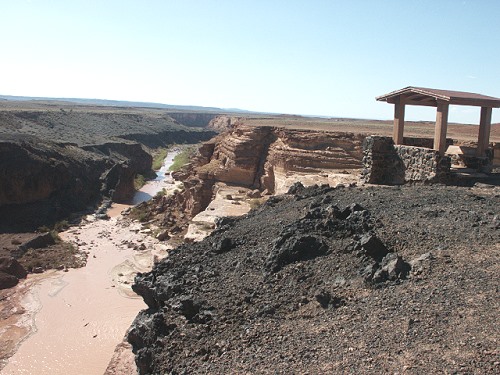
x=387 y=163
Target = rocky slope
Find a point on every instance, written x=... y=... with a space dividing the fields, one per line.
x=95 y=125
x=195 y=119
x=322 y=280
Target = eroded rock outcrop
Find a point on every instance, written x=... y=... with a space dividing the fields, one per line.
x=223 y=122
x=239 y=155
x=129 y=160
x=10 y=272
x=41 y=181
x=252 y=156
x=310 y=152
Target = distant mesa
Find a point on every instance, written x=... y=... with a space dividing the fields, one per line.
x=121 y=103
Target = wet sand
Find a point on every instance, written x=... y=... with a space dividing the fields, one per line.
x=82 y=313
x=77 y=318
x=16 y=322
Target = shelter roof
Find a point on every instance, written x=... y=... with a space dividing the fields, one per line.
x=425 y=96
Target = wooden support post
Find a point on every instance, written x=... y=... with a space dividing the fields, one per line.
x=441 y=125
x=399 y=121
x=483 y=139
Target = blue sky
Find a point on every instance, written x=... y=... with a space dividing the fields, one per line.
x=309 y=57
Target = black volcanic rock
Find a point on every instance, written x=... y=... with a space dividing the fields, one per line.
x=42 y=182
x=10 y=272
x=291 y=293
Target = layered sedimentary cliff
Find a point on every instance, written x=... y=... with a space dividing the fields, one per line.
x=252 y=156
x=224 y=122
x=259 y=158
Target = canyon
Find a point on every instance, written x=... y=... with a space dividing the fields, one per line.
x=254 y=162
x=57 y=161
x=336 y=276
x=299 y=280
x=72 y=331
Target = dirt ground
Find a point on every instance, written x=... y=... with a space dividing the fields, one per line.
x=347 y=280
x=59 y=255
x=463 y=132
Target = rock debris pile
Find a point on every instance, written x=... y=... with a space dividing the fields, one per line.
x=324 y=280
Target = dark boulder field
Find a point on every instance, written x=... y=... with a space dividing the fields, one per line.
x=324 y=280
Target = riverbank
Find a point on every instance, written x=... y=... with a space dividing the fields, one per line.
x=71 y=322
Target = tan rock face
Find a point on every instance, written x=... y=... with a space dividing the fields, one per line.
x=222 y=123
x=299 y=150
x=265 y=159
x=311 y=153
x=238 y=155
x=250 y=156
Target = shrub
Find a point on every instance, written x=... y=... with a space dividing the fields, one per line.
x=158 y=156
x=139 y=181
x=256 y=202
x=161 y=193
x=61 y=226
x=183 y=158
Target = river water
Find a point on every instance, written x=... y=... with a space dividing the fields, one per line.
x=162 y=180
x=81 y=315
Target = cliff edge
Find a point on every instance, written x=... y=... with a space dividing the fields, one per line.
x=323 y=280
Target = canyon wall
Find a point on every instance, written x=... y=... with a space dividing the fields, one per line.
x=170 y=137
x=55 y=162
x=223 y=122
x=254 y=156
x=258 y=158
x=310 y=153
x=42 y=182
x=195 y=119
x=152 y=128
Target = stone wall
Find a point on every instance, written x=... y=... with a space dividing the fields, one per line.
x=423 y=142
x=386 y=163
x=496 y=154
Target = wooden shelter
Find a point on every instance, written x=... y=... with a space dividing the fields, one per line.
x=441 y=99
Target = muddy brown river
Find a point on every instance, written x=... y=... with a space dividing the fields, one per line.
x=78 y=317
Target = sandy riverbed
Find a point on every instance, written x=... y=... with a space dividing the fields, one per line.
x=71 y=322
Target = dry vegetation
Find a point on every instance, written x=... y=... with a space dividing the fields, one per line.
x=85 y=125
